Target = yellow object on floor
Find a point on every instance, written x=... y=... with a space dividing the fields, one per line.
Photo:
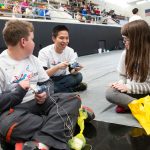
x=78 y=142
x=141 y=111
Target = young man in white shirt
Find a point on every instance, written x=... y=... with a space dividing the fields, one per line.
x=135 y=15
x=56 y=59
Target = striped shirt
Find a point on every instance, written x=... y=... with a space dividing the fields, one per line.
x=134 y=87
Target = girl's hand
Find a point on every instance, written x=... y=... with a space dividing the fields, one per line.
x=121 y=87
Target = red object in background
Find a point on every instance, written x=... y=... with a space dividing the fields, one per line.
x=97 y=12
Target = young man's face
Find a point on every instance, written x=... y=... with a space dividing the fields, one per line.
x=61 y=41
x=29 y=44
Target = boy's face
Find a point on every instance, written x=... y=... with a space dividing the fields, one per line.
x=62 y=40
x=28 y=44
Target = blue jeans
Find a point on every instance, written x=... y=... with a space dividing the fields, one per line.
x=66 y=83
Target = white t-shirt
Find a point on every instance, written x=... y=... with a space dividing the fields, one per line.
x=135 y=17
x=12 y=72
x=49 y=58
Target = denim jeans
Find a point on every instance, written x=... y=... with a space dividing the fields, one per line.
x=66 y=83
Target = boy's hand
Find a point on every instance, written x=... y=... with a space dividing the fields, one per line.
x=63 y=65
x=40 y=98
x=25 y=84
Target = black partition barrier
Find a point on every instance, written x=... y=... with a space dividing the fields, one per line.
x=84 y=38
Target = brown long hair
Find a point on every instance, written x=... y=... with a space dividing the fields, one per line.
x=137 y=60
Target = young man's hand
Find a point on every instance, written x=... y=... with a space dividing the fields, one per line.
x=76 y=70
x=25 y=84
x=40 y=98
x=119 y=86
x=63 y=65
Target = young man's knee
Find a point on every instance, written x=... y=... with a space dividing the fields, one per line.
x=79 y=77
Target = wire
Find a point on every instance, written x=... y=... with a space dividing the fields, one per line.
x=69 y=126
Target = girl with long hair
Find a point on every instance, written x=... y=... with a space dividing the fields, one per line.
x=133 y=68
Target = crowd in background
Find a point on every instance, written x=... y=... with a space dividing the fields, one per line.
x=83 y=12
x=90 y=12
x=23 y=8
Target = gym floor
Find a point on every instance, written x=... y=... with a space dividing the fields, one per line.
x=109 y=130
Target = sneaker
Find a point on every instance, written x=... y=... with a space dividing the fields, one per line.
x=90 y=113
x=81 y=87
x=32 y=145
x=120 y=109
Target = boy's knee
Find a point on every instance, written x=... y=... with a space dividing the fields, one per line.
x=79 y=77
x=77 y=101
x=110 y=94
x=73 y=99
